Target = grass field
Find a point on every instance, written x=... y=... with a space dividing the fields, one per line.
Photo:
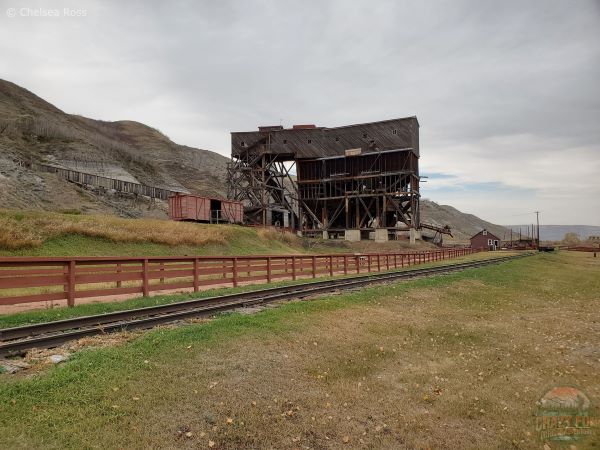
x=455 y=361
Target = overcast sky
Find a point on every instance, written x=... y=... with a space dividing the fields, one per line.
x=507 y=93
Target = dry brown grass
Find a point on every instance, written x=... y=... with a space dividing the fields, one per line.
x=30 y=229
x=269 y=234
x=423 y=370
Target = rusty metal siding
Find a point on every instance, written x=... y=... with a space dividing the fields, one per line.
x=189 y=207
x=232 y=211
x=196 y=208
x=175 y=211
x=318 y=142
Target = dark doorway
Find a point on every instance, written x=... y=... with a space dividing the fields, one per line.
x=215 y=211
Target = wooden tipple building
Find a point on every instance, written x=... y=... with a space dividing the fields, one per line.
x=356 y=181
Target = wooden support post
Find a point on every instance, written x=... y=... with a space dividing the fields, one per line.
x=357 y=262
x=331 y=265
x=162 y=270
x=347 y=213
x=369 y=264
x=71 y=285
x=378 y=262
x=268 y=269
x=314 y=266
x=196 y=275
x=145 y=281
x=234 y=271
x=293 y=267
x=345 y=264
x=119 y=270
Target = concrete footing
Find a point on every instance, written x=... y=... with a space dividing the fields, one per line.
x=325 y=235
x=414 y=235
x=352 y=235
x=381 y=235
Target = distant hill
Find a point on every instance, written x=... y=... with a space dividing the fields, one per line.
x=557 y=232
x=463 y=225
x=34 y=131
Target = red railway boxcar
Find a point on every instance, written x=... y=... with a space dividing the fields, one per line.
x=205 y=209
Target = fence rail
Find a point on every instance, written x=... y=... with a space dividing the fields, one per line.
x=581 y=248
x=41 y=279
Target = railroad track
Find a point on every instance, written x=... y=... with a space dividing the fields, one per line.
x=18 y=340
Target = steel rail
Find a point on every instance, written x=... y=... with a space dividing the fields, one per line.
x=51 y=334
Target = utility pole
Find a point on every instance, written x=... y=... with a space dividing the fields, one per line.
x=537 y=216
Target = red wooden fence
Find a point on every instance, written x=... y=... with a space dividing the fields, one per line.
x=33 y=279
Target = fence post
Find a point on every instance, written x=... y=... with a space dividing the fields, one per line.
x=71 y=285
x=196 y=275
x=145 y=284
x=357 y=260
x=345 y=264
x=293 y=267
x=331 y=265
x=234 y=271
x=268 y=269
x=118 y=273
x=369 y=264
x=162 y=270
x=314 y=266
